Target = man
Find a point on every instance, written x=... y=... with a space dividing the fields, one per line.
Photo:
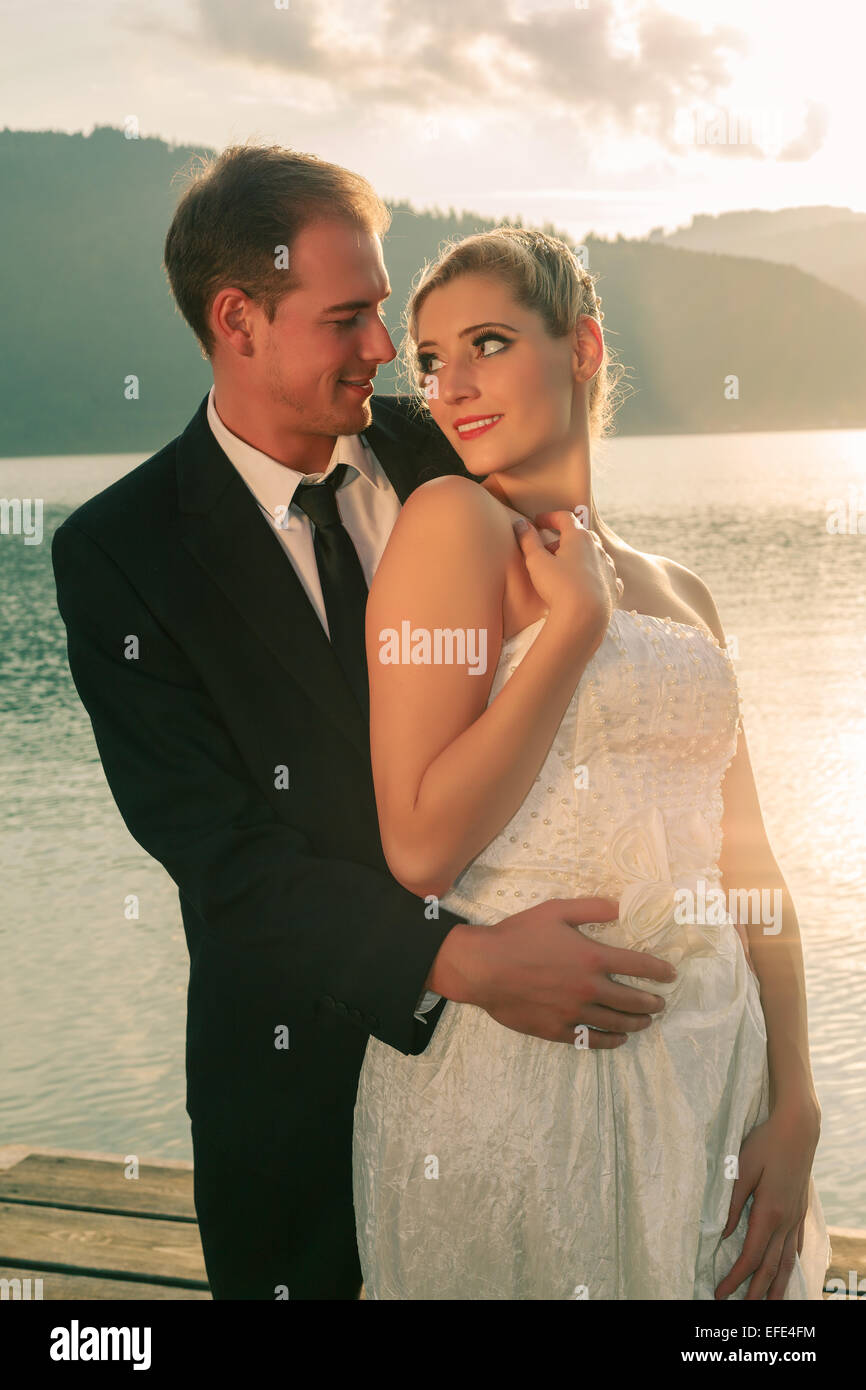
x=214 y=603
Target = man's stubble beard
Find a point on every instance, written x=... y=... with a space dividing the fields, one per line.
x=317 y=420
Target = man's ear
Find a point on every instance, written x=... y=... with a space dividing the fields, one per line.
x=232 y=321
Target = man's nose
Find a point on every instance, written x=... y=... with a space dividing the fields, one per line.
x=378 y=347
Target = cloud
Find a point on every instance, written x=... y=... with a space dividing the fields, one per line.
x=595 y=64
x=811 y=137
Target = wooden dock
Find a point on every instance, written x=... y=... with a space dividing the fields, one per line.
x=76 y=1222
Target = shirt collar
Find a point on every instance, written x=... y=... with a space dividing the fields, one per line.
x=272 y=483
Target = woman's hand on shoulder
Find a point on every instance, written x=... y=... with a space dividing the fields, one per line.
x=574 y=575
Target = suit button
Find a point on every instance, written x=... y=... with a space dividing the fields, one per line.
x=373 y=1021
x=356 y=1015
x=327 y=1001
x=341 y=1007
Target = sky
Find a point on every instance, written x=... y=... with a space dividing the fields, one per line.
x=611 y=116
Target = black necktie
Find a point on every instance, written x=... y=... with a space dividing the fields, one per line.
x=344 y=587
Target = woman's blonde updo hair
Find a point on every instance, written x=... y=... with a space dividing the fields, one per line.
x=544 y=274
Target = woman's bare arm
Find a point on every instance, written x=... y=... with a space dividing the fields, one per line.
x=747 y=863
x=449 y=772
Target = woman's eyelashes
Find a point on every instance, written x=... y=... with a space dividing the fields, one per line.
x=426 y=360
x=489 y=337
x=425 y=363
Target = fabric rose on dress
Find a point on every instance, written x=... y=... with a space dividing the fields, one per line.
x=638 y=849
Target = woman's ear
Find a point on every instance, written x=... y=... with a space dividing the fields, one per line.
x=588 y=347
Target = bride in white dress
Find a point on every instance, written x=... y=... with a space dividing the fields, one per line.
x=597 y=752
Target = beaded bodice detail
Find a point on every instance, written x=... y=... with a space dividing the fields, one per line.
x=630 y=791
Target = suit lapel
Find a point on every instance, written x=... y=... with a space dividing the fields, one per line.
x=223 y=528
x=410 y=454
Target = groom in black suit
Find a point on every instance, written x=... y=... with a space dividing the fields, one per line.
x=213 y=599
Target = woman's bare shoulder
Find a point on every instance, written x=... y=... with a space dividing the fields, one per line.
x=693 y=591
x=453 y=511
x=464 y=495
x=450 y=545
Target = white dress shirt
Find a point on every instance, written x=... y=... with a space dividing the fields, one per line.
x=366 y=501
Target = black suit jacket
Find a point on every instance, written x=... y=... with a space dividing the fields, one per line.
x=300 y=941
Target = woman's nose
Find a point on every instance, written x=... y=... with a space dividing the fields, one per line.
x=456 y=384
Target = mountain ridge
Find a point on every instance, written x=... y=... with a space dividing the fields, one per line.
x=83 y=227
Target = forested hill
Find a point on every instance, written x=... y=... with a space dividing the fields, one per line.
x=87 y=305
x=823 y=241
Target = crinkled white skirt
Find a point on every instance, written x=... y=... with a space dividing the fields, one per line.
x=498 y=1166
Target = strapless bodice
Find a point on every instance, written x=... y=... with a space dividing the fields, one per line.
x=628 y=803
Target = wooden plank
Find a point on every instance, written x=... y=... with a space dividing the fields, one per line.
x=82 y=1286
x=10 y=1154
x=79 y=1218
x=849 y=1248
x=97 y=1185
x=849 y=1254
x=94 y=1243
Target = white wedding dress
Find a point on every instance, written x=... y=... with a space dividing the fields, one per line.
x=499 y=1166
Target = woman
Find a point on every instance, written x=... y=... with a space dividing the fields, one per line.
x=572 y=730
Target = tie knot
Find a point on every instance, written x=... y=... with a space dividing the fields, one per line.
x=318 y=500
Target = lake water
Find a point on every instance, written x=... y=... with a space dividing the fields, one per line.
x=93 y=1004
